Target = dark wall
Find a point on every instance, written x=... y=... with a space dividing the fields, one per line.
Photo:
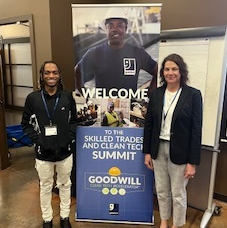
x=62 y=39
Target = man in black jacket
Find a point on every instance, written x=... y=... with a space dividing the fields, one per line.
x=49 y=119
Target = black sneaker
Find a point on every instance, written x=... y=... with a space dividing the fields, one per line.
x=47 y=224
x=65 y=223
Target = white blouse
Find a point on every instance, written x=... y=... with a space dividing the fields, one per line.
x=169 y=104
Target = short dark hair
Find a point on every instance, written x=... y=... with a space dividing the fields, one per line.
x=183 y=69
x=41 y=71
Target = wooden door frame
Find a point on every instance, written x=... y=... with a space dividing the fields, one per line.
x=4 y=159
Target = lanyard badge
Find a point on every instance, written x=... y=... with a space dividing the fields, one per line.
x=51 y=129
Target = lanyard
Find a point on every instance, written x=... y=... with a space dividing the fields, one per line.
x=165 y=114
x=45 y=104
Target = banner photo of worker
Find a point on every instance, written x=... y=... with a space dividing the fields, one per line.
x=116 y=49
x=116 y=54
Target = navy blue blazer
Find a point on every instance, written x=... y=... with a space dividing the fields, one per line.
x=186 y=126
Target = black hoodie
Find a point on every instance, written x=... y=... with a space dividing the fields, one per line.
x=35 y=118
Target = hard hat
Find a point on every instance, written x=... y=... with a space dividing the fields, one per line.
x=121 y=13
x=89 y=103
x=110 y=104
x=136 y=110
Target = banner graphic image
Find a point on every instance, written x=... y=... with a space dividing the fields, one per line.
x=112 y=182
x=116 y=49
x=116 y=54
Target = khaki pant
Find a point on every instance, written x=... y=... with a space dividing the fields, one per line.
x=45 y=171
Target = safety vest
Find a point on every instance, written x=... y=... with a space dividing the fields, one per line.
x=113 y=120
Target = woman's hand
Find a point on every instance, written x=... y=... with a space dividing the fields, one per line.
x=190 y=171
x=148 y=161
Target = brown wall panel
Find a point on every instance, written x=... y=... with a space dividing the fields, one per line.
x=62 y=39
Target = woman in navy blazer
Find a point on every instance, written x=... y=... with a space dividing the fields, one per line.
x=172 y=138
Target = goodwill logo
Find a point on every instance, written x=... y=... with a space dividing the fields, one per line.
x=115 y=182
x=129 y=66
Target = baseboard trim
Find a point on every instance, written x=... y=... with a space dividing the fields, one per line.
x=220 y=197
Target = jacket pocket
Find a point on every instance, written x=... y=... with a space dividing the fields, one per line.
x=44 y=144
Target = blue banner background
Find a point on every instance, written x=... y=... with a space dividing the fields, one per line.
x=107 y=154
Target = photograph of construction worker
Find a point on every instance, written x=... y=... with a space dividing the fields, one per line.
x=88 y=111
x=111 y=118
x=116 y=62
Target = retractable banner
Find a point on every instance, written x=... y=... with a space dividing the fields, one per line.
x=112 y=182
x=116 y=50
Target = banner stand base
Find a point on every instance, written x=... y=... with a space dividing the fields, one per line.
x=113 y=221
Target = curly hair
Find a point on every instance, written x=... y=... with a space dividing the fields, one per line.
x=41 y=81
x=183 y=69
